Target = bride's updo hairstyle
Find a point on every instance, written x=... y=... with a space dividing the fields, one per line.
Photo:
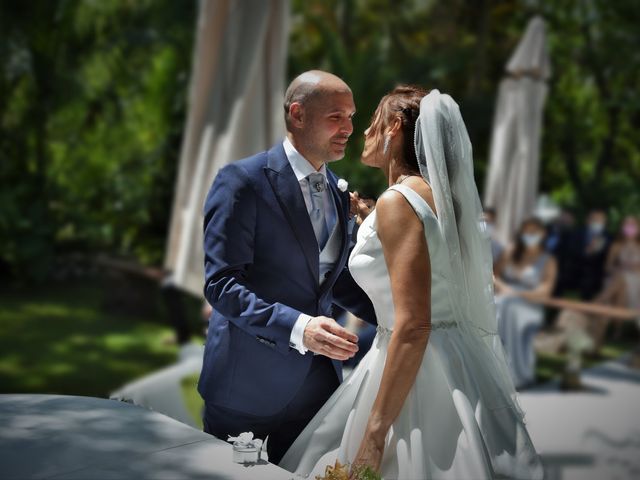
x=404 y=103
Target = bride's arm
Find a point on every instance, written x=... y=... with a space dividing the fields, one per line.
x=406 y=254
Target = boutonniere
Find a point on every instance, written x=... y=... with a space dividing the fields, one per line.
x=343 y=185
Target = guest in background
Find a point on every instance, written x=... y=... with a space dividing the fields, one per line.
x=497 y=248
x=561 y=243
x=593 y=246
x=623 y=269
x=524 y=273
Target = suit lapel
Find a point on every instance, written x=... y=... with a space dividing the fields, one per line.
x=287 y=190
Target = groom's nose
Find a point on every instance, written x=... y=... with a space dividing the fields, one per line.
x=346 y=126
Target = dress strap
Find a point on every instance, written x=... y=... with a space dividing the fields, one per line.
x=419 y=204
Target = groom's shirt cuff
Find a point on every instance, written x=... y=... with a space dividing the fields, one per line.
x=297 y=333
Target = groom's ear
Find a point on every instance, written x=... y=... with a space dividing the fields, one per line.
x=296 y=115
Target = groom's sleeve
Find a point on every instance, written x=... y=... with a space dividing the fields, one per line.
x=229 y=232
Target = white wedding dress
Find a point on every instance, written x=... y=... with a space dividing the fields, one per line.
x=455 y=422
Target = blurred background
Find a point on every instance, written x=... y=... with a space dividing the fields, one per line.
x=115 y=116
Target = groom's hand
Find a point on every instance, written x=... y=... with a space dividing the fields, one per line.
x=325 y=336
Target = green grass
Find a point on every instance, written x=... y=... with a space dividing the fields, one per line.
x=192 y=399
x=58 y=339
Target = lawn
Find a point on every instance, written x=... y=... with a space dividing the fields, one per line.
x=60 y=339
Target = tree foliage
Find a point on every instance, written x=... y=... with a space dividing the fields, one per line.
x=92 y=104
x=589 y=152
x=91 y=113
x=591 y=155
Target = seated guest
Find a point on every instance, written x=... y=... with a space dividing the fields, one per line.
x=524 y=273
x=623 y=269
x=593 y=246
x=561 y=243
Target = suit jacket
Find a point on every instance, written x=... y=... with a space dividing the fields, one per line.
x=591 y=271
x=261 y=272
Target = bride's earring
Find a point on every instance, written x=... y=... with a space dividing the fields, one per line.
x=387 y=141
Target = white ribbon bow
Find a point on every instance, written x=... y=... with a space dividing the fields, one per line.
x=245 y=439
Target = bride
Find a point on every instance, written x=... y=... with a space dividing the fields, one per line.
x=433 y=398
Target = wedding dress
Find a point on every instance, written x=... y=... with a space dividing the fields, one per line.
x=460 y=419
x=445 y=430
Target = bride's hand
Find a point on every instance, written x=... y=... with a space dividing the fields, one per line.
x=369 y=453
x=357 y=207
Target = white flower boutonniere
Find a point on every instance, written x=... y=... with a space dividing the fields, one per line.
x=343 y=185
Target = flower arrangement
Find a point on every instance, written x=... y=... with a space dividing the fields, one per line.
x=344 y=472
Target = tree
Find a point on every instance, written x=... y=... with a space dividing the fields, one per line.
x=593 y=111
x=589 y=155
x=92 y=104
x=93 y=101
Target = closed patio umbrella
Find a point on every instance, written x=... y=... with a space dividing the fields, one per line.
x=235 y=110
x=512 y=179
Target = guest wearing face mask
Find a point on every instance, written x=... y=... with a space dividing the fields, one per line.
x=593 y=246
x=525 y=272
x=623 y=268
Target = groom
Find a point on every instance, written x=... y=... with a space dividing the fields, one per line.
x=276 y=248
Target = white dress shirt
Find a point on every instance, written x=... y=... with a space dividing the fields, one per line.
x=302 y=169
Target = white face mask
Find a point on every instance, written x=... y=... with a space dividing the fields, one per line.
x=596 y=227
x=531 y=239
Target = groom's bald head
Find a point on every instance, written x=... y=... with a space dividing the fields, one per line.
x=309 y=87
x=318 y=109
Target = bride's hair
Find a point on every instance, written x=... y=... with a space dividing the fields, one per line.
x=402 y=102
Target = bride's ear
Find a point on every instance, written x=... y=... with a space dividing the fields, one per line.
x=395 y=127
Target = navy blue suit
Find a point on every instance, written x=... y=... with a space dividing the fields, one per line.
x=261 y=272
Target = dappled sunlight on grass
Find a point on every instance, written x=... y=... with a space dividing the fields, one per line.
x=60 y=340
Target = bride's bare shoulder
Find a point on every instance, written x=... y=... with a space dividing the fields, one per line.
x=393 y=210
x=391 y=202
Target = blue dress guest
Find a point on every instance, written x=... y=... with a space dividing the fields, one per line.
x=276 y=246
x=524 y=274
